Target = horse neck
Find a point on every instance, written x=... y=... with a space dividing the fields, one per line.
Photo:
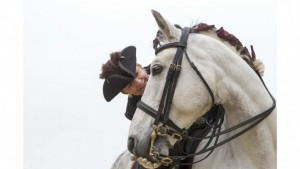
x=255 y=149
x=243 y=96
x=236 y=76
x=240 y=90
x=212 y=33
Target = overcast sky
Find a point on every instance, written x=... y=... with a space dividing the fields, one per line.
x=67 y=122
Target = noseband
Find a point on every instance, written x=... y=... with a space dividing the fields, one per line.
x=211 y=121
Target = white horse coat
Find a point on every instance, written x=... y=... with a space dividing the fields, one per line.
x=124 y=161
x=234 y=85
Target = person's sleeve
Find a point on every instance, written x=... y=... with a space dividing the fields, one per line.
x=131 y=106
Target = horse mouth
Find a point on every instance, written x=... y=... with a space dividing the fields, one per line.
x=157 y=155
x=147 y=163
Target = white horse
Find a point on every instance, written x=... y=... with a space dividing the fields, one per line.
x=226 y=80
x=124 y=161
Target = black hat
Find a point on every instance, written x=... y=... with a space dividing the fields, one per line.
x=115 y=83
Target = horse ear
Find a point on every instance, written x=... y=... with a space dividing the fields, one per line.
x=168 y=29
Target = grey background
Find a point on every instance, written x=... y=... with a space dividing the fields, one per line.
x=67 y=122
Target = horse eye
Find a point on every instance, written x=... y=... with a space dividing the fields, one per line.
x=156 y=69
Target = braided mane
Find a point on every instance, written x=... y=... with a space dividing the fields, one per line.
x=219 y=34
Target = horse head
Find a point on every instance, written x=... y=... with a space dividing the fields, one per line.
x=191 y=74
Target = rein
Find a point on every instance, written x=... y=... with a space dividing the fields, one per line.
x=211 y=121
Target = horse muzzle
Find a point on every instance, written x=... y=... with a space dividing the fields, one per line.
x=151 y=151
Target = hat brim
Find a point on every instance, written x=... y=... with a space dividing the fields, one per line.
x=115 y=83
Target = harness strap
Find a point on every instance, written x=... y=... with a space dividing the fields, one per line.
x=201 y=77
x=153 y=113
x=215 y=124
x=176 y=68
x=170 y=45
x=172 y=76
x=254 y=120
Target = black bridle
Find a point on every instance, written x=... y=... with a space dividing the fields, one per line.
x=162 y=115
x=213 y=119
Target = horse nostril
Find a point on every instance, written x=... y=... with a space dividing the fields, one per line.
x=130 y=144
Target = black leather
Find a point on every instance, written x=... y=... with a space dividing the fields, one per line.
x=131 y=106
x=133 y=100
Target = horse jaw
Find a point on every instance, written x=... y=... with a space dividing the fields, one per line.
x=168 y=29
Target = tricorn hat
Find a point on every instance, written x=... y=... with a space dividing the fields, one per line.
x=115 y=83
